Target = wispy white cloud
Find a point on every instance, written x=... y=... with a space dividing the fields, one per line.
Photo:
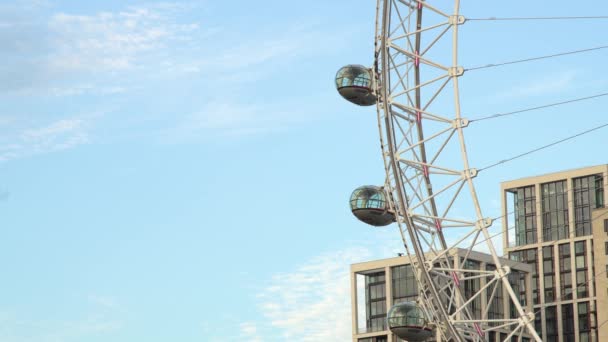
x=59 y=50
x=312 y=303
x=110 y=41
x=59 y=135
x=249 y=332
x=260 y=51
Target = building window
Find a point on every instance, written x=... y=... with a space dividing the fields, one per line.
x=568 y=323
x=606 y=226
x=538 y=324
x=530 y=257
x=584 y=322
x=375 y=294
x=606 y=248
x=405 y=288
x=548 y=274
x=588 y=194
x=472 y=287
x=555 y=211
x=495 y=309
x=525 y=216
x=565 y=271
x=580 y=259
x=551 y=323
x=599 y=191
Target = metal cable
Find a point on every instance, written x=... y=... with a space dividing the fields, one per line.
x=537 y=18
x=536 y=58
x=544 y=147
x=497 y=115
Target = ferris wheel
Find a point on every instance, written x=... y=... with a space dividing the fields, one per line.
x=414 y=85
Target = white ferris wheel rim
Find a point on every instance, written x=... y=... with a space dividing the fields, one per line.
x=457 y=322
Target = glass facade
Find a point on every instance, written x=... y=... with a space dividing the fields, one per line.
x=495 y=299
x=375 y=302
x=525 y=216
x=538 y=324
x=567 y=323
x=580 y=260
x=405 y=288
x=584 y=322
x=565 y=271
x=530 y=257
x=548 y=274
x=471 y=287
x=551 y=324
x=588 y=194
x=555 y=210
x=565 y=212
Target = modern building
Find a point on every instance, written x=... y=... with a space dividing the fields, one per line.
x=558 y=224
x=377 y=285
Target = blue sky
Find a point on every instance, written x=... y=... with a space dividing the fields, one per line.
x=179 y=171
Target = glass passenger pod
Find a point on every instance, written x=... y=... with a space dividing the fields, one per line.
x=354 y=83
x=368 y=203
x=407 y=321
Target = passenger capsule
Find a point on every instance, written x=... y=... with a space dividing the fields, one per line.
x=368 y=203
x=354 y=83
x=407 y=321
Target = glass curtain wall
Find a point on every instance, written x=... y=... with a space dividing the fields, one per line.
x=580 y=255
x=551 y=314
x=472 y=286
x=588 y=194
x=548 y=274
x=525 y=215
x=375 y=295
x=555 y=211
x=405 y=288
x=495 y=304
x=565 y=271
x=568 y=323
x=530 y=257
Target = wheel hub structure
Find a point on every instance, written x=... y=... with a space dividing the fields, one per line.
x=430 y=184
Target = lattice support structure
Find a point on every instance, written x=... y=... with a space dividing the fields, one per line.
x=429 y=180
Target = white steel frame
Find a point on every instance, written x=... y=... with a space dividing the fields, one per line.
x=414 y=139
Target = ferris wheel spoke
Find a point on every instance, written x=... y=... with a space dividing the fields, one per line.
x=442 y=147
x=424 y=184
x=436 y=94
x=421 y=85
x=399 y=75
x=424 y=29
x=432 y=137
x=434 y=41
x=417 y=190
x=434 y=195
x=430 y=7
x=466 y=257
x=430 y=168
x=418 y=59
x=414 y=112
x=402 y=19
x=440 y=225
x=406 y=135
x=409 y=4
